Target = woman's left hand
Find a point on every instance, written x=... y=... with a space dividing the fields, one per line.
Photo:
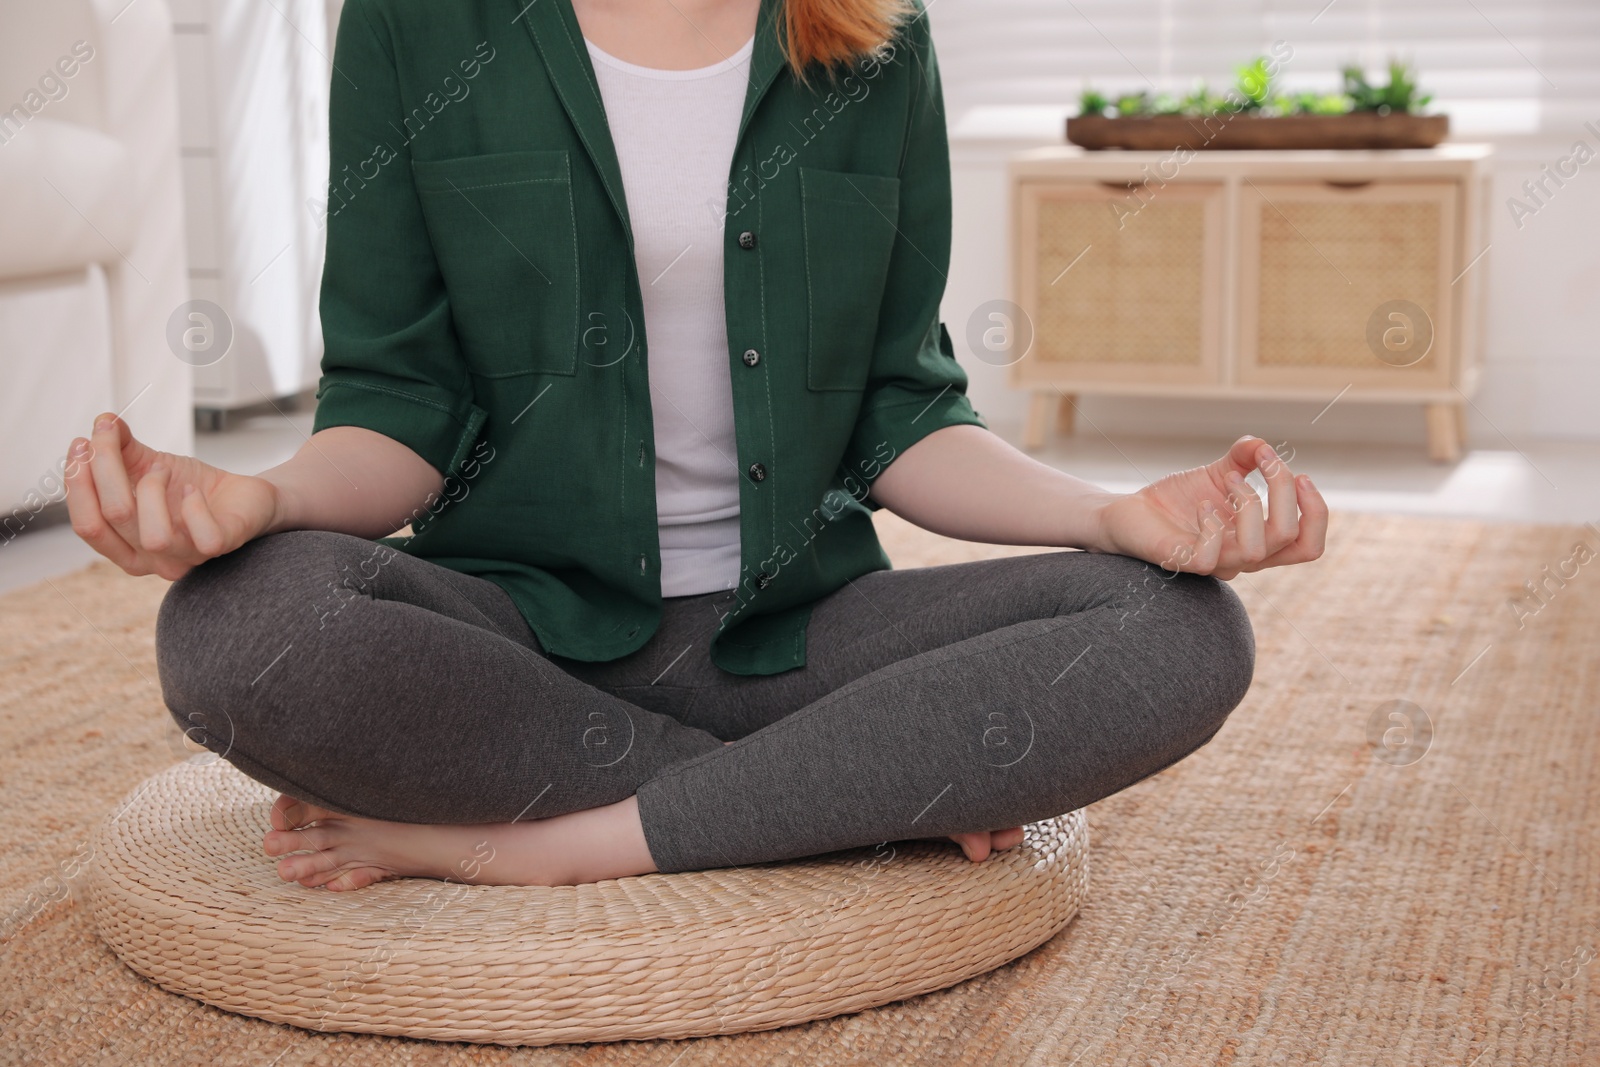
x=1210 y=521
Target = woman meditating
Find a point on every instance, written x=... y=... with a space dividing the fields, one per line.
x=631 y=312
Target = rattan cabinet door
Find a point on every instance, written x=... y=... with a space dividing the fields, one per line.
x=1122 y=285
x=1347 y=285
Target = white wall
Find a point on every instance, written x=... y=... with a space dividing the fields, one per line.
x=1543 y=345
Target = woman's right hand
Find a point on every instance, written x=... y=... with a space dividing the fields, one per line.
x=153 y=512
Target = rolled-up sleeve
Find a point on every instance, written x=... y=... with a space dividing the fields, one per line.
x=391 y=360
x=914 y=386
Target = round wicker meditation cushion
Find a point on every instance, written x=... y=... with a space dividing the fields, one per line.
x=185 y=896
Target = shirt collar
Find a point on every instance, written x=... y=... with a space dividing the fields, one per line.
x=554 y=28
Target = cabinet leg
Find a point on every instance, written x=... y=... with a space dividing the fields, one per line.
x=1066 y=413
x=1037 y=423
x=1444 y=432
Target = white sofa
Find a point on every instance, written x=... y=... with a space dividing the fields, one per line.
x=92 y=260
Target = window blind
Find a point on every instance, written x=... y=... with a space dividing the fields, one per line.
x=1498 y=67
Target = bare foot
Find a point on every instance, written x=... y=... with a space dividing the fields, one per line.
x=343 y=852
x=980 y=844
x=320 y=848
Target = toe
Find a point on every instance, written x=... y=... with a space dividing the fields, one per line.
x=311 y=838
x=1005 y=839
x=288 y=813
x=975 y=845
x=356 y=878
x=330 y=866
x=310 y=869
x=330 y=870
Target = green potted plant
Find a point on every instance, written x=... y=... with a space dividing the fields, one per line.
x=1254 y=114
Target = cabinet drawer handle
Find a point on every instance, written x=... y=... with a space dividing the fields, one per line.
x=1347 y=185
x=1124 y=187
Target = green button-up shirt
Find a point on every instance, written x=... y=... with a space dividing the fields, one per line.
x=480 y=305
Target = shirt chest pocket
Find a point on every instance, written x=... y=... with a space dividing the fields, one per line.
x=505 y=236
x=849 y=239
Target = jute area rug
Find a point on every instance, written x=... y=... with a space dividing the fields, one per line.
x=1337 y=878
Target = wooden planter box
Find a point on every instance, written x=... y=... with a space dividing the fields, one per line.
x=1156 y=133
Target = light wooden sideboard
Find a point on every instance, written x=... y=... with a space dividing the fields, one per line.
x=1306 y=275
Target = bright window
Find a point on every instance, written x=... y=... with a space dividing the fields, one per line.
x=1499 y=67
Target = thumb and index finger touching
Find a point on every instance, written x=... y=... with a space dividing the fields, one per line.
x=101 y=490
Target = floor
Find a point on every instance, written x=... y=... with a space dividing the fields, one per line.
x=1378 y=860
x=1546 y=482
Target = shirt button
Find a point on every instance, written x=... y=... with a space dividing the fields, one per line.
x=763 y=580
x=757 y=472
x=751 y=357
x=747 y=240
x=642 y=564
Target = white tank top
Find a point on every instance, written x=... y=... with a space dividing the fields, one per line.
x=674 y=132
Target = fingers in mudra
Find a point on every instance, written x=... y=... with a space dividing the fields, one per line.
x=1234 y=531
x=117 y=496
x=152 y=512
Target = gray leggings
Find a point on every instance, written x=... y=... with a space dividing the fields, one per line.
x=935 y=700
